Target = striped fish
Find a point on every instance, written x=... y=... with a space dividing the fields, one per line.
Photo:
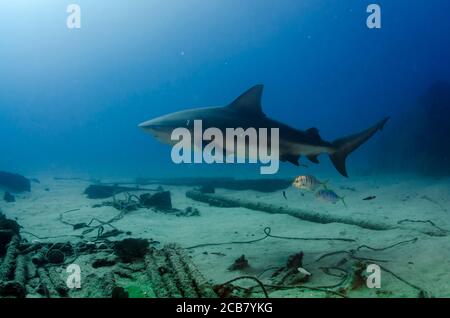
x=329 y=196
x=308 y=182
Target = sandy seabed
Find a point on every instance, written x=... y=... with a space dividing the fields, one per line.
x=423 y=263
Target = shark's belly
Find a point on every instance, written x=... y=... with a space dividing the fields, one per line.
x=292 y=148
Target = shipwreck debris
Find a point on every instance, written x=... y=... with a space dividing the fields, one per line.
x=207 y=188
x=240 y=263
x=174 y=275
x=99 y=191
x=131 y=249
x=14 y=182
x=159 y=200
x=306 y=215
x=293 y=273
x=103 y=262
x=260 y=185
x=8 y=197
x=55 y=256
x=311 y=216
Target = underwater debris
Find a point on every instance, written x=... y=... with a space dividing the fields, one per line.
x=40 y=258
x=131 y=248
x=239 y=264
x=159 y=200
x=295 y=260
x=8 y=197
x=55 y=256
x=228 y=290
x=358 y=276
x=311 y=216
x=369 y=198
x=8 y=264
x=189 y=211
x=174 y=275
x=97 y=191
x=207 y=188
x=260 y=185
x=107 y=234
x=14 y=182
x=79 y=226
x=8 y=226
x=12 y=271
x=267 y=232
x=293 y=273
x=26 y=271
x=103 y=262
x=119 y=292
x=439 y=231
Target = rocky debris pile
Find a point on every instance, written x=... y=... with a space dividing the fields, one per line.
x=8 y=197
x=133 y=268
x=240 y=263
x=14 y=182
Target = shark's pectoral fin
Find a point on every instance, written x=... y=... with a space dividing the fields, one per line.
x=249 y=102
x=313 y=158
x=294 y=159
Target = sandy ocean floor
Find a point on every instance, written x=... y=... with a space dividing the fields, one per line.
x=422 y=263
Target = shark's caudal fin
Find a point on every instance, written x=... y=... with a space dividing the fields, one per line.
x=345 y=146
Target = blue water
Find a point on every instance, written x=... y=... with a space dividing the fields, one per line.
x=70 y=100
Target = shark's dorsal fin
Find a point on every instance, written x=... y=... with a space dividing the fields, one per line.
x=250 y=101
x=313 y=133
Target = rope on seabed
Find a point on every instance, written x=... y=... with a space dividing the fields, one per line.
x=260 y=284
x=326 y=270
x=424 y=221
x=265 y=286
x=267 y=232
x=100 y=229
x=387 y=247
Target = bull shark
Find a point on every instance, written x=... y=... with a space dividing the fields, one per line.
x=246 y=112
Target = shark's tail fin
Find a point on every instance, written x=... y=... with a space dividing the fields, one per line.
x=345 y=146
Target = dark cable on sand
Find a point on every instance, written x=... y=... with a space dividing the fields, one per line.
x=267 y=232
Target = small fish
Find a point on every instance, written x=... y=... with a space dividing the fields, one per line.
x=329 y=196
x=370 y=198
x=308 y=182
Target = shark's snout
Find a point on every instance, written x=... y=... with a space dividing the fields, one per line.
x=152 y=125
x=158 y=129
x=146 y=124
